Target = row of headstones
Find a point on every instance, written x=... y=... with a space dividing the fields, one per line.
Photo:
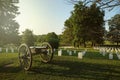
x=110 y=50
x=80 y=54
x=7 y=50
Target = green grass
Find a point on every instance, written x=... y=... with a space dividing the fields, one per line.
x=93 y=66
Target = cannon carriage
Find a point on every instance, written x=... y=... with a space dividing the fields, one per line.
x=26 y=52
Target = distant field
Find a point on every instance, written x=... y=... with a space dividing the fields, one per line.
x=92 y=67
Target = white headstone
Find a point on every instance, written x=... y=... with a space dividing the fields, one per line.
x=74 y=51
x=118 y=50
x=70 y=53
x=118 y=55
x=60 y=53
x=100 y=50
x=12 y=50
x=83 y=53
x=67 y=51
x=110 y=56
x=103 y=52
x=80 y=55
x=107 y=50
x=6 y=50
x=112 y=50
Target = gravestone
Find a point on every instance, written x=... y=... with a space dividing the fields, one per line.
x=70 y=53
x=118 y=49
x=74 y=51
x=6 y=50
x=60 y=52
x=118 y=55
x=103 y=52
x=80 y=55
x=108 y=50
x=83 y=53
x=67 y=51
x=110 y=56
x=12 y=50
x=100 y=51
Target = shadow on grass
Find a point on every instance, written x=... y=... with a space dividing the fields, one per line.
x=11 y=66
x=9 y=69
x=75 y=69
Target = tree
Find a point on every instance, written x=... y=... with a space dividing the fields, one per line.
x=28 y=37
x=96 y=24
x=53 y=39
x=85 y=22
x=8 y=26
x=67 y=35
x=114 y=29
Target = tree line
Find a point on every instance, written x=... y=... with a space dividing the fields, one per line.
x=32 y=40
x=85 y=25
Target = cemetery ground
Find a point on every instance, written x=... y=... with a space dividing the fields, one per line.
x=93 y=66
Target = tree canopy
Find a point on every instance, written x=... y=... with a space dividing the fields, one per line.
x=8 y=26
x=53 y=39
x=85 y=22
x=114 y=29
x=28 y=37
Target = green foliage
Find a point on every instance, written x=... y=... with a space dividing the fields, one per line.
x=54 y=42
x=67 y=35
x=28 y=37
x=53 y=39
x=83 y=23
x=8 y=25
x=114 y=29
x=114 y=23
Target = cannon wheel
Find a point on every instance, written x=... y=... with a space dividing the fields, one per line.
x=25 y=56
x=47 y=57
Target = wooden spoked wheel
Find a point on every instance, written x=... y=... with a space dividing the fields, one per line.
x=47 y=55
x=25 y=57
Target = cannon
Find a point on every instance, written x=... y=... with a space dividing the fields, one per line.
x=26 y=52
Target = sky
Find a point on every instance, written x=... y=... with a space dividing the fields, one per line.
x=45 y=16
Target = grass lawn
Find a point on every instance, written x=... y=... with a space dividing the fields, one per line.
x=93 y=66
